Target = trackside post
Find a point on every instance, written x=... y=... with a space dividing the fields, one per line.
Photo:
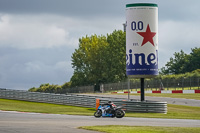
x=97 y=103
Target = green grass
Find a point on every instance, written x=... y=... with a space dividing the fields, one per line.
x=157 y=89
x=174 y=111
x=174 y=95
x=186 y=96
x=141 y=129
x=24 y=106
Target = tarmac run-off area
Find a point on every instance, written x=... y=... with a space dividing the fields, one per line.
x=14 y=122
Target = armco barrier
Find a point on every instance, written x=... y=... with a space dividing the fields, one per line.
x=84 y=100
x=140 y=107
x=68 y=99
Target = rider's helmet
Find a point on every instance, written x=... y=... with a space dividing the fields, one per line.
x=110 y=102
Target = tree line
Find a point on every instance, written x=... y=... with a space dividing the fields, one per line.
x=182 y=63
x=48 y=88
x=102 y=59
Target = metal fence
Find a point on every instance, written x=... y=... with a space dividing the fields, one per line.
x=155 y=84
x=80 y=89
x=141 y=107
x=150 y=84
x=83 y=100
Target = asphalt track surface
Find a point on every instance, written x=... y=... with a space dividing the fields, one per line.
x=19 y=122
x=177 y=101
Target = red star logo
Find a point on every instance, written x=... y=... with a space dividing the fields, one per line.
x=147 y=36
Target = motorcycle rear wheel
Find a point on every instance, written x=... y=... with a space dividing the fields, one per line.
x=98 y=113
x=119 y=113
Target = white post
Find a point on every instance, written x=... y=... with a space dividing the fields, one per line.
x=128 y=89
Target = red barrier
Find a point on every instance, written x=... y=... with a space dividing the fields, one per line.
x=197 y=91
x=156 y=91
x=177 y=91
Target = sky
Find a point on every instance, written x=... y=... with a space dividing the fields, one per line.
x=38 y=37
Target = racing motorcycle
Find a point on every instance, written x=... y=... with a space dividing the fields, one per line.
x=106 y=110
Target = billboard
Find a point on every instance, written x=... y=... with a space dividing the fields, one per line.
x=141 y=40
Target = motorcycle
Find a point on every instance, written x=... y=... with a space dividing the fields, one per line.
x=106 y=111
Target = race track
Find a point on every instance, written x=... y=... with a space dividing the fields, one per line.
x=19 y=122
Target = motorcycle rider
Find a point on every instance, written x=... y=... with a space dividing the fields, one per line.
x=112 y=106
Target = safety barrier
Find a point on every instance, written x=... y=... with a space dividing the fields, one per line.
x=140 y=107
x=84 y=100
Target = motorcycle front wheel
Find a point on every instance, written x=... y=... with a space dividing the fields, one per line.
x=119 y=113
x=98 y=113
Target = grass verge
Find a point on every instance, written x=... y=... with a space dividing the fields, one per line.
x=186 y=96
x=141 y=129
x=156 y=89
x=24 y=106
x=174 y=111
x=174 y=95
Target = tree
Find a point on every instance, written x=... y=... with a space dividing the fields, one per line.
x=47 y=88
x=99 y=59
x=117 y=60
x=87 y=60
x=182 y=63
x=193 y=60
x=176 y=64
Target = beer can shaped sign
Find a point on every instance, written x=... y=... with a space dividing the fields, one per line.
x=142 y=40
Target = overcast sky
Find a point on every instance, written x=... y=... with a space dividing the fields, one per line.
x=38 y=37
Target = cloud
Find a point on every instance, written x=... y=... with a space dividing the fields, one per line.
x=34 y=73
x=175 y=36
x=179 y=34
x=81 y=9
x=23 y=69
x=48 y=30
x=29 y=32
x=37 y=49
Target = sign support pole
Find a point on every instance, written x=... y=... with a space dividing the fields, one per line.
x=128 y=89
x=142 y=89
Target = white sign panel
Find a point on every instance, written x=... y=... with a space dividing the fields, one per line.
x=142 y=40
